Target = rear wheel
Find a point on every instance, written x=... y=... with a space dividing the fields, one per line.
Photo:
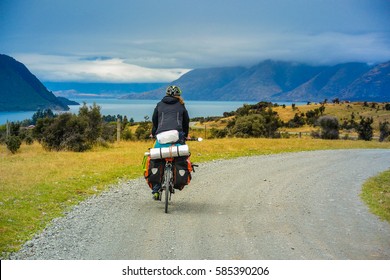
x=167 y=182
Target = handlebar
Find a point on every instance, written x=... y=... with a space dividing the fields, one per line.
x=195 y=139
x=199 y=139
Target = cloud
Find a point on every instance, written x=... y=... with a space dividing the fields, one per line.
x=161 y=60
x=152 y=40
x=96 y=69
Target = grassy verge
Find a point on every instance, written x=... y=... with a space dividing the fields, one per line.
x=376 y=194
x=37 y=186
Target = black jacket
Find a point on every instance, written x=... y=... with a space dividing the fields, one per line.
x=170 y=114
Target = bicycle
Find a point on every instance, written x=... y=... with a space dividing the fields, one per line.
x=167 y=183
x=167 y=188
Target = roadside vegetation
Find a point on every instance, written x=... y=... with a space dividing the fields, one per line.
x=59 y=161
x=376 y=194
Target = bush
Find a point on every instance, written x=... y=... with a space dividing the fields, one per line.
x=71 y=132
x=297 y=121
x=257 y=125
x=13 y=143
x=364 y=129
x=218 y=133
x=127 y=134
x=384 y=131
x=29 y=140
x=249 y=126
x=143 y=130
x=329 y=127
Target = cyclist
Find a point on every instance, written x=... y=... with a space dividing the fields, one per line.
x=170 y=114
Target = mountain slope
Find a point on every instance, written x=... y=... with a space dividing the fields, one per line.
x=284 y=81
x=198 y=84
x=264 y=80
x=328 y=84
x=20 y=90
x=373 y=85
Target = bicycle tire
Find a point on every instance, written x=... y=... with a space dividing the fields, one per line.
x=167 y=182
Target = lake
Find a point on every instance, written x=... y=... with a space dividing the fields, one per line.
x=138 y=109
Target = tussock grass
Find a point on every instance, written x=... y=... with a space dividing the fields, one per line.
x=341 y=111
x=376 y=194
x=37 y=185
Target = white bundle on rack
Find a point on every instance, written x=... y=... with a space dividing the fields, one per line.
x=169 y=152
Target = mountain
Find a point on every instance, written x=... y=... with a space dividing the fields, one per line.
x=198 y=84
x=328 y=84
x=266 y=79
x=99 y=90
x=283 y=81
x=373 y=85
x=20 y=90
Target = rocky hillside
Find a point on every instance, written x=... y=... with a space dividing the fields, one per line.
x=20 y=90
x=284 y=81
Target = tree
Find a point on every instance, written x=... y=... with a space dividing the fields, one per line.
x=364 y=128
x=329 y=127
x=297 y=121
x=384 y=129
x=13 y=143
x=264 y=124
x=93 y=119
x=250 y=126
x=41 y=114
x=143 y=130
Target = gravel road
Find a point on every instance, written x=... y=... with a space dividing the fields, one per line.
x=289 y=206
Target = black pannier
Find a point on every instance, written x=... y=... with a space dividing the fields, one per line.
x=182 y=169
x=154 y=171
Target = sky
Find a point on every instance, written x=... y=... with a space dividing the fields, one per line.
x=158 y=41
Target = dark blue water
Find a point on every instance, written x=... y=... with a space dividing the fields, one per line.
x=138 y=109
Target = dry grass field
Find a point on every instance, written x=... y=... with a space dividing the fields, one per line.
x=342 y=111
x=37 y=185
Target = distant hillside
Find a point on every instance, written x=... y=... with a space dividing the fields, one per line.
x=103 y=90
x=265 y=80
x=20 y=90
x=198 y=84
x=328 y=84
x=373 y=85
x=283 y=81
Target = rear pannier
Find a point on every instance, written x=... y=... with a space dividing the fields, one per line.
x=153 y=171
x=182 y=169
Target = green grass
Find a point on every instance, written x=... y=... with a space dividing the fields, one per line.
x=376 y=194
x=37 y=186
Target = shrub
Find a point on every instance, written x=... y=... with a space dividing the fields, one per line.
x=218 y=133
x=257 y=125
x=127 y=134
x=29 y=140
x=384 y=131
x=143 y=130
x=364 y=129
x=297 y=121
x=69 y=131
x=13 y=143
x=329 y=127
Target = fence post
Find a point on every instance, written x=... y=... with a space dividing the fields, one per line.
x=118 y=130
x=7 y=133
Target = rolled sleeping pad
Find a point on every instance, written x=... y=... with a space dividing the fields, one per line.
x=169 y=152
